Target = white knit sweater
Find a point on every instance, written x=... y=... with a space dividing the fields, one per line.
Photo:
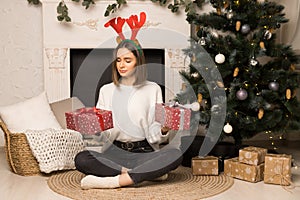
x=133 y=109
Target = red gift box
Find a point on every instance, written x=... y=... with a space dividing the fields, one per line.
x=173 y=117
x=89 y=120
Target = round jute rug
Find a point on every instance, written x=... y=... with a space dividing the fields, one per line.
x=181 y=184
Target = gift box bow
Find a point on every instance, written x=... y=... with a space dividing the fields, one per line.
x=279 y=170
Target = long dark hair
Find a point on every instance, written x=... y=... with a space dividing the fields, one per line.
x=141 y=71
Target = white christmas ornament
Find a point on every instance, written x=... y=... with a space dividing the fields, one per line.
x=193 y=106
x=220 y=58
x=195 y=75
x=227 y=128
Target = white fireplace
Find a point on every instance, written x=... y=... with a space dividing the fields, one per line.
x=162 y=30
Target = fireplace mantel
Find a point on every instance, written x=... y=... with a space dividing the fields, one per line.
x=163 y=30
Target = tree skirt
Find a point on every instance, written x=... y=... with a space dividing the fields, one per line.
x=181 y=184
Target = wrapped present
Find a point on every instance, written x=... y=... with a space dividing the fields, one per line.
x=89 y=120
x=252 y=155
x=278 y=169
x=236 y=169
x=173 y=117
x=207 y=165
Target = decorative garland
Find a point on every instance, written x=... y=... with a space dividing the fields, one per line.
x=189 y=6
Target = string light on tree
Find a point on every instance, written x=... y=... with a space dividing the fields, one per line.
x=230 y=14
x=237 y=2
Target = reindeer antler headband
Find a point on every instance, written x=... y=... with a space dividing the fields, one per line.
x=133 y=22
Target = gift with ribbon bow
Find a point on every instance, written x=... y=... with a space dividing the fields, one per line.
x=89 y=120
x=173 y=116
x=278 y=169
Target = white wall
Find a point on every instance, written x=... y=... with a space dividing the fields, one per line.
x=289 y=33
x=21 y=74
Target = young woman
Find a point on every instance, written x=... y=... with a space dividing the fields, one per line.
x=131 y=152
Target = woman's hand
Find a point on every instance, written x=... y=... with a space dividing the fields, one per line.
x=165 y=130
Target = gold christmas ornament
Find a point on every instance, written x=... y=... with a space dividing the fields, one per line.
x=288 y=94
x=193 y=58
x=260 y=113
x=200 y=97
x=237 y=25
x=293 y=67
x=220 y=84
x=262 y=45
x=236 y=72
x=226 y=4
x=219 y=11
x=183 y=86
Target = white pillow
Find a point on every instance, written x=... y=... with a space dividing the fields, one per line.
x=34 y=113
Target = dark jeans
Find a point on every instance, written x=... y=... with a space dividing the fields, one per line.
x=142 y=166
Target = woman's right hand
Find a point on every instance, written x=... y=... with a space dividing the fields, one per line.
x=165 y=130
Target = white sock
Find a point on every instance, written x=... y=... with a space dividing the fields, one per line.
x=91 y=181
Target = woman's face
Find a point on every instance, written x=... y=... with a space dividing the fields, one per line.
x=126 y=62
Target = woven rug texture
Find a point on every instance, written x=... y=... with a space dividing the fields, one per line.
x=181 y=184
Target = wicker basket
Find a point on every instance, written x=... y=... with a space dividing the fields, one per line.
x=19 y=154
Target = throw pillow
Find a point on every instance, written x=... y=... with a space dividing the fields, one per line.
x=34 y=113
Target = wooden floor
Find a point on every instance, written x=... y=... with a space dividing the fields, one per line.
x=15 y=187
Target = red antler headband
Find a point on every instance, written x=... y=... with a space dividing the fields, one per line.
x=133 y=22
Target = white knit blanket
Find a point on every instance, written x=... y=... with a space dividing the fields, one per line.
x=54 y=149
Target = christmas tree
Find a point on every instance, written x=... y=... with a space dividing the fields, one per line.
x=258 y=75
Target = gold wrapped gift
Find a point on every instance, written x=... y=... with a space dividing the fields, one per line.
x=207 y=165
x=252 y=155
x=278 y=169
x=236 y=169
